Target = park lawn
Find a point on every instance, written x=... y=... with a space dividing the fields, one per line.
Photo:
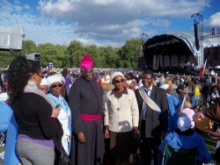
x=2 y=149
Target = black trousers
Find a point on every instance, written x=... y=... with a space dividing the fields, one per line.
x=149 y=151
x=148 y=148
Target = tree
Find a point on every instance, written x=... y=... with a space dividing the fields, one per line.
x=97 y=55
x=130 y=52
x=61 y=55
x=6 y=59
x=52 y=53
x=75 y=53
x=28 y=47
x=111 y=57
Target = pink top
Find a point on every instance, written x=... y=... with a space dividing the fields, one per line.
x=190 y=113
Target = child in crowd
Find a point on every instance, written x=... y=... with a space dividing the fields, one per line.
x=189 y=112
x=185 y=136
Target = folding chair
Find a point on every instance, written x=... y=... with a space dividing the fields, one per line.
x=172 y=156
x=2 y=139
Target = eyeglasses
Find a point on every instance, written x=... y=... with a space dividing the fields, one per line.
x=55 y=86
x=119 y=81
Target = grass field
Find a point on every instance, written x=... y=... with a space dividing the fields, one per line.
x=209 y=142
x=2 y=149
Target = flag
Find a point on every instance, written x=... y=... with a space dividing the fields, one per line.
x=184 y=100
x=202 y=70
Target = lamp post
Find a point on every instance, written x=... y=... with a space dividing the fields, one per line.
x=144 y=37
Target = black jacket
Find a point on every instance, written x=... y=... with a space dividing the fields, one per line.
x=154 y=123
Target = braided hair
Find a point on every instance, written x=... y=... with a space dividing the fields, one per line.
x=19 y=73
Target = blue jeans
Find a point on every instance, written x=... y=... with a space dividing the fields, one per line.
x=195 y=100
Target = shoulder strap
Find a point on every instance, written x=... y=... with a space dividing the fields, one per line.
x=149 y=101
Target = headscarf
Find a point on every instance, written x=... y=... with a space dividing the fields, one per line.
x=44 y=82
x=54 y=78
x=106 y=79
x=86 y=62
x=164 y=86
x=189 y=113
x=183 y=123
x=115 y=74
x=4 y=96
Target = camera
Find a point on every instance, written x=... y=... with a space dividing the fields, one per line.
x=33 y=57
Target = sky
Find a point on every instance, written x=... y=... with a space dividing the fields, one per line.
x=105 y=22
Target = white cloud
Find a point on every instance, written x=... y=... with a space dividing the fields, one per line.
x=26 y=7
x=114 y=11
x=113 y=20
x=161 y=23
x=214 y=20
x=36 y=28
x=114 y=32
x=86 y=41
x=45 y=29
x=100 y=22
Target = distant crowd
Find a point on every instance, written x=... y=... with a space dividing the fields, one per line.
x=86 y=116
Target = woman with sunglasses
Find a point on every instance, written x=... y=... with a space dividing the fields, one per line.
x=55 y=85
x=121 y=119
x=37 y=130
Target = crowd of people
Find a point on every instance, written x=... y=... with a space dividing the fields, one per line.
x=88 y=116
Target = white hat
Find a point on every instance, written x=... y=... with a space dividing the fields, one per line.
x=4 y=96
x=212 y=73
x=129 y=82
x=189 y=113
x=107 y=79
x=115 y=74
x=183 y=123
x=62 y=78
x=182 y=80
x=54 y=78
x=44 y=82
x=164 y=86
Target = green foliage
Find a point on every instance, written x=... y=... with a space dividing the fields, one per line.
x=28 y=47
x=61 y=55
x=75 y=53
x=56 y=54
x=130 y=52
x=6 y=57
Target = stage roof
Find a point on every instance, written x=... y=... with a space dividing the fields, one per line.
x=11 y=38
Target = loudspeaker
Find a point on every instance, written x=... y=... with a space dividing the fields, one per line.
x=196 y=34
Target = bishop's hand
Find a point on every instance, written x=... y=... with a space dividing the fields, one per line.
x=81 y=137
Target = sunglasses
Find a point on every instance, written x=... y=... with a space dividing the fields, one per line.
x=119 y=81
x=58 y=85
x=40 y=75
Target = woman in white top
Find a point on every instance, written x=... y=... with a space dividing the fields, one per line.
x=121 y=116
x=55 y=85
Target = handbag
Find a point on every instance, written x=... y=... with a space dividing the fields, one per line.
x=204 y=124
x=64 y=158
